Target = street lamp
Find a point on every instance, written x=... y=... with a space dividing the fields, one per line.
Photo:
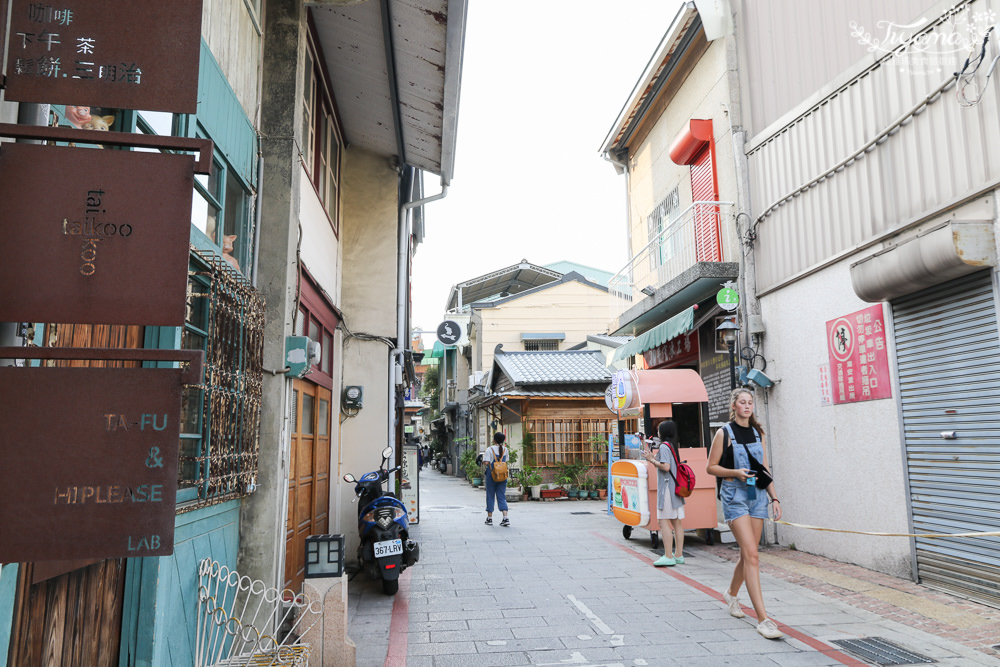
x=728 y=329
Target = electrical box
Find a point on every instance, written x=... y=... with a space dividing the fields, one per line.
x=353 y=397
x=297 y=357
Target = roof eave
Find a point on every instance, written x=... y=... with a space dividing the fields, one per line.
x=678 y=29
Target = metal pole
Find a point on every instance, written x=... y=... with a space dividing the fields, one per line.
x=732 y=364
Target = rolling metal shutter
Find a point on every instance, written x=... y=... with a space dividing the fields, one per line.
x=948 y=357
x=704 y=187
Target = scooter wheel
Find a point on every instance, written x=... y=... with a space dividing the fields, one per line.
x=626 y=532
x=390 y=587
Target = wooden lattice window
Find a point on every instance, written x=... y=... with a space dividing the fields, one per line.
x=569 y=441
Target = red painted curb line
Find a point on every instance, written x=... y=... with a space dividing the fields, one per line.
x=817 y=644
x=400 y=625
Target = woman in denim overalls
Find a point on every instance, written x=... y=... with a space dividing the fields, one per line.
x=744 y=506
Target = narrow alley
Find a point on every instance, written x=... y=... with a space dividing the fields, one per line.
x=562 y=586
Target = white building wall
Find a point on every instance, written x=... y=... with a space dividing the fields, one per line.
x=835 y=466
x=320 y=250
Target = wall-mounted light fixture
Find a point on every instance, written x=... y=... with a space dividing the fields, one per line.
x=324 y=556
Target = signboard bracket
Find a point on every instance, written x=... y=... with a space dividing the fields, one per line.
x=203 y=147
x=192 y=374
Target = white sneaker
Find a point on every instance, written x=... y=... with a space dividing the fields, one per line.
x=767 y=628
x=734 y=605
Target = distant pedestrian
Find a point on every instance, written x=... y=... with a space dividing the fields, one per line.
x=744 y=505
x=493 y=453
x=669 y=506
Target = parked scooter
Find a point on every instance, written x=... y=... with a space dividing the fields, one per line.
x=386 y=548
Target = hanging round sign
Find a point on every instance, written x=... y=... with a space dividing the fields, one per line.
x=728 y=299
x=449 y=332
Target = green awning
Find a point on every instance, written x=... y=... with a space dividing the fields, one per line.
x=678 y=325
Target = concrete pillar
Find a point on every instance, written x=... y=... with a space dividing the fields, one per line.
x=262 y=520
x=331 y=647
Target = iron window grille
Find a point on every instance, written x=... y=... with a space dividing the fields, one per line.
x=221 y=418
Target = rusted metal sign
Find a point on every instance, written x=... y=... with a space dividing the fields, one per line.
x=108 y=53
x=102 y=234
x=90 y=471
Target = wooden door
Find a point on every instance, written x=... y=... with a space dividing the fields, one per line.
x=308 y=476
x=71 y=620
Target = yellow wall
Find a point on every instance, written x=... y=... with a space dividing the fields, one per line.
x=571 y=308
x=653 y=175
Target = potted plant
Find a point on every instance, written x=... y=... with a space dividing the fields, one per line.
x=473 y=471
x=531 y=480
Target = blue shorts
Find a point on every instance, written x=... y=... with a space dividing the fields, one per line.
x=736 y=503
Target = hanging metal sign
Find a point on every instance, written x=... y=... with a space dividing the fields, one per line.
x=107 y=53
x=91 y=470
x=102 y=234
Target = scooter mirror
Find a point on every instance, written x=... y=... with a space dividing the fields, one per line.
x=349 y=478
x=386 y=453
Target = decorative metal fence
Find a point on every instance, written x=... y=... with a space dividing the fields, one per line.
x=242 y=622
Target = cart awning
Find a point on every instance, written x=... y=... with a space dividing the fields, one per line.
x=632 y=389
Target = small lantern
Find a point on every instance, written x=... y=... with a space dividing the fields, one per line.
x=324 y=556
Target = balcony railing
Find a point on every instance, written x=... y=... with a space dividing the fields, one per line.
x=680 y=245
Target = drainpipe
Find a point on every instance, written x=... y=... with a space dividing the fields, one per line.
x=402 y=293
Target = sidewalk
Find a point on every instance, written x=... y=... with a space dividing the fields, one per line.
x=562 y=586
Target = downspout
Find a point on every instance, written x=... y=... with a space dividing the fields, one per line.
x=402 y=284
x=403 y=265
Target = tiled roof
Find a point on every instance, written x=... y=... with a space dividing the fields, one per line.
x=562 y=367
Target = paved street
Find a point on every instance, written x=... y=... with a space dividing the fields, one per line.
x=562 y=586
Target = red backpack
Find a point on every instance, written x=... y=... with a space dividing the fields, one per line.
x=684 y=480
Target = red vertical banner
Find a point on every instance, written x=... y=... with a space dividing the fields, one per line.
x=859 y=362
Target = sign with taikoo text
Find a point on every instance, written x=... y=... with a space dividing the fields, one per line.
x=94 y=236
x=89 y=462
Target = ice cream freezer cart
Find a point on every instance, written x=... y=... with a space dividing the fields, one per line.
x=633 y=496
x=632 y=483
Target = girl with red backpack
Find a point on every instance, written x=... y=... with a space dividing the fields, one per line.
x=669 y=506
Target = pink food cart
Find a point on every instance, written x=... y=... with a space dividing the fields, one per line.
x=632 y=492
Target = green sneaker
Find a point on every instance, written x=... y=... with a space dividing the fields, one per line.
x=679 y=560
x=664 y=561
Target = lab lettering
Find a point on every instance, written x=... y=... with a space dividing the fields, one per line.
x=143 y=543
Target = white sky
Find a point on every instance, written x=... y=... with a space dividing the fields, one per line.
x=543 y=82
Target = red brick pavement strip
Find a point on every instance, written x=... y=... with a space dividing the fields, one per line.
x=981 y=638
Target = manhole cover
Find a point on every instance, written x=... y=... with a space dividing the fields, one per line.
x=442 y=508
x=881 y=651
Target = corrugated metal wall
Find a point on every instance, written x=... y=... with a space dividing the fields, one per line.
x=941 y=151
x=948 y=358
x=789 y=48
